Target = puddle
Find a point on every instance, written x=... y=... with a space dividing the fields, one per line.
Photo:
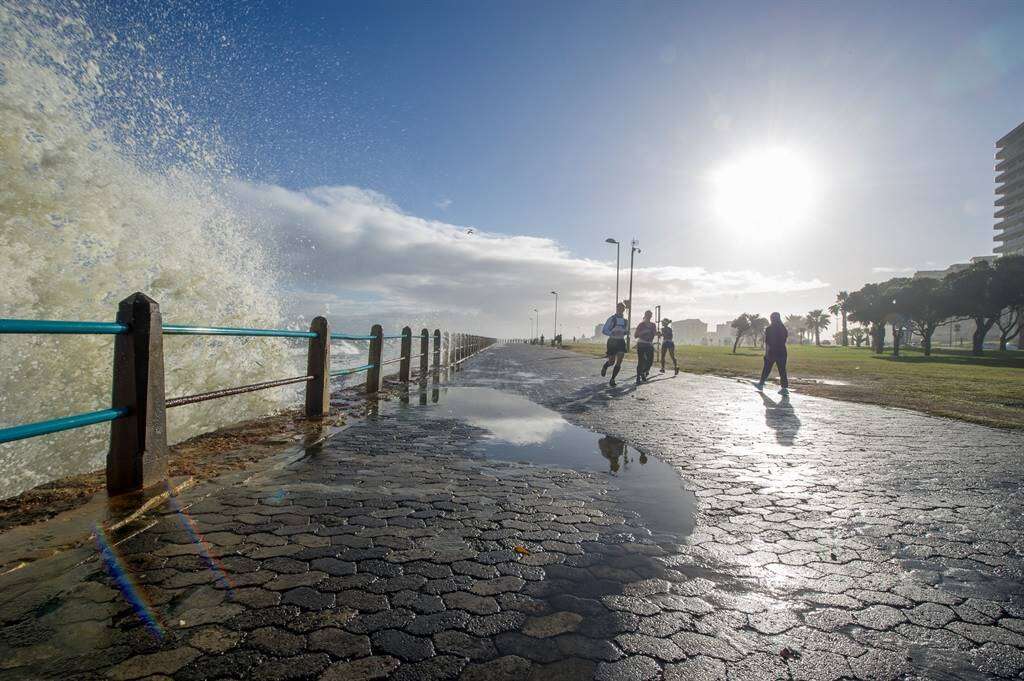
x=522 y=431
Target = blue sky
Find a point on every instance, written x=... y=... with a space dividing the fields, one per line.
x=575 y=121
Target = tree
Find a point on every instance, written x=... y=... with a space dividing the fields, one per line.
x=925 y=303
x=795 y=325
x=858 y=335
x=742 y=326
x=977 y=295
x=1009 y=324
x=817 y=321
x=839 y=309
x=872 y=306
x=757 y=326
x=1009 y=283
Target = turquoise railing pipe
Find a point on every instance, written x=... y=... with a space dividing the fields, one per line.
x=56 y=425
x=52 y=326
x=353 y=370
x=182 y=330
x=348 y=336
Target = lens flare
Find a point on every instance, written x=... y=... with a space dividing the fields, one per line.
x=206 y=552
x=132 y=593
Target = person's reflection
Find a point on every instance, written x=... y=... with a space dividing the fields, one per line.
x=435 y=395
x=780 y=417
x=612 y=448
x=423 y=397
x=643 y=459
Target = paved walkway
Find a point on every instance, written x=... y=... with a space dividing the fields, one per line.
x=833 y=540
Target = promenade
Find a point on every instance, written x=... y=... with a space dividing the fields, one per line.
x=703 y=532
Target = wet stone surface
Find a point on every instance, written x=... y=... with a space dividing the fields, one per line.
x=831 y=541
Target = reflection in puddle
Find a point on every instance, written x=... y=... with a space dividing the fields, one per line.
x=522 y=431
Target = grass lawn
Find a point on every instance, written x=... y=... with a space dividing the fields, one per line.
x=987 y=390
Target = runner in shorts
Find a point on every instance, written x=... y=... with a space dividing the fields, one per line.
x=615 y=329
x=667 y=344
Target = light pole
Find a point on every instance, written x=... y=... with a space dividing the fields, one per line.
x=629 y=310
x=536 y=323
x=555 y=334
x=610 y=240
x=657 y=323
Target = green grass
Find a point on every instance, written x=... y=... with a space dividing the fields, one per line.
x=952 y=383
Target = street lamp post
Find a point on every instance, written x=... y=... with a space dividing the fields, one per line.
x=555 y=334
x=657 y=323
x=536 y=323
x=629 y=310
x=618 y=249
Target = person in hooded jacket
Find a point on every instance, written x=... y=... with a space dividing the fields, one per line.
x=775 y=352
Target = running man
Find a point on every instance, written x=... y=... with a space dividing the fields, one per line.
x=644 y=334
x=775 y=353
x=667 y=344
x=615 y=329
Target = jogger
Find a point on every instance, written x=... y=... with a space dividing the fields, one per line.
x=644 y=334
x=668 y=344
x=615 y=329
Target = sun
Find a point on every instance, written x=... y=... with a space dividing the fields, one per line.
x=769 y=190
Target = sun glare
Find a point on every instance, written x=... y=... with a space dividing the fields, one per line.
x=771 y=189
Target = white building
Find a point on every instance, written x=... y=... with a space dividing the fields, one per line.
x=690 y=332
x=1010 y=193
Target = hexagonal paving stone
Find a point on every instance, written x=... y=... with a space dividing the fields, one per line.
x=402 y=645
x=551 y=625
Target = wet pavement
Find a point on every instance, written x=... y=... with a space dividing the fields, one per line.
x=468 y=533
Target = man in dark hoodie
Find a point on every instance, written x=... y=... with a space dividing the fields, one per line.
x=775 y=352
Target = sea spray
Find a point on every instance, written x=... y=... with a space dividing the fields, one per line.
x=107 y=188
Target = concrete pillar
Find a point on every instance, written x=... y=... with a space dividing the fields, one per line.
x=406 y=363
x=424 y=354
x=318 y=365
x=437 y=351
x=137 y=457
x=376 y=350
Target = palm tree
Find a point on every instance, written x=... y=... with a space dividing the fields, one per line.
x=795 y=325
x=839 y=308
x=742 y=326
x=757 y=326
x=817 y=321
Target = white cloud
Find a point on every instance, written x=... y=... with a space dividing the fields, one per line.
x=365 y=258
x=444 y=203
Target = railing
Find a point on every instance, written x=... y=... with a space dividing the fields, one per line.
x=137 y=457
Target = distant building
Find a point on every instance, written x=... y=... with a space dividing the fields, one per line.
x=690 y=332
x=722 y=335
x=597 y=330
x=957 y=267
x=1010 y=193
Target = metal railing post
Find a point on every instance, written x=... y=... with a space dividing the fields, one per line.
x=137 y=457
x=406 y=363
x=318 y=365
x=376 y=350
x=424 y=353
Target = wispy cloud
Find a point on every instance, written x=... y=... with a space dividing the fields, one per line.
x=363 y=255
x=444 y=203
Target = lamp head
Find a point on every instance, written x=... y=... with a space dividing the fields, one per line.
x=610 y=240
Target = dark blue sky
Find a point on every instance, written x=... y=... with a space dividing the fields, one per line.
x=582 y=120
